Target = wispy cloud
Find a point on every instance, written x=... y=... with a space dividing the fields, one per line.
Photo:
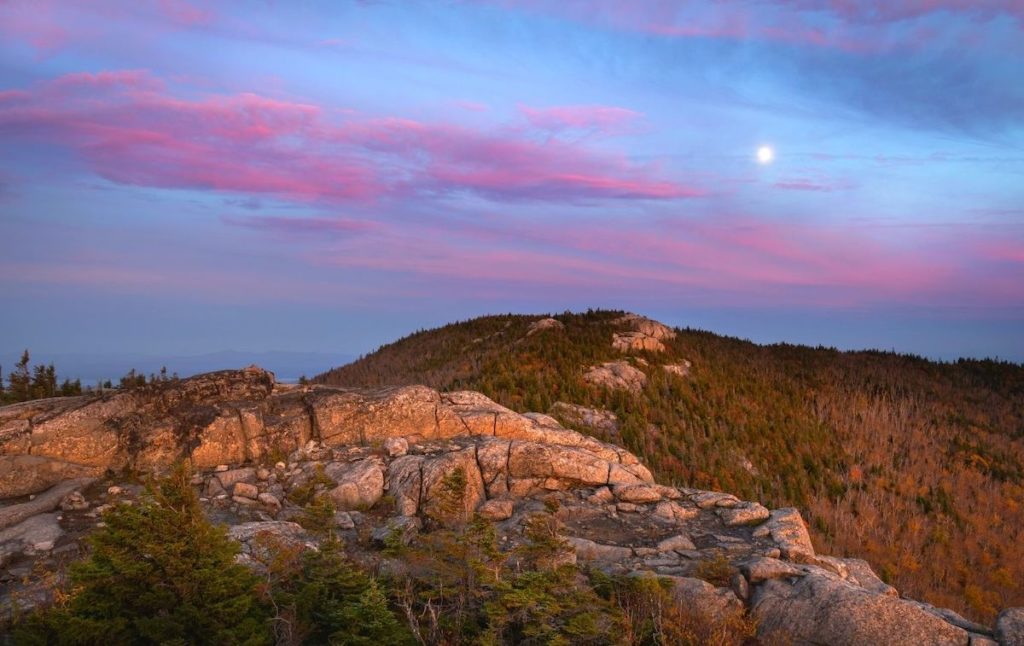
x=132 y=130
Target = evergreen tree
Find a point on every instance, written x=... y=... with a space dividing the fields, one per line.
x=20 y=381
x=159 y=572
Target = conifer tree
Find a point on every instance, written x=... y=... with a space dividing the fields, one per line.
x=159 y=572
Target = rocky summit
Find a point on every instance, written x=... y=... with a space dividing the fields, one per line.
x=387 y=459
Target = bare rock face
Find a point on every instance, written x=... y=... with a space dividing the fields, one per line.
x=678 y=369
x=642 y=334
x=617 y=375
x=21 y=475
x=441 y=458
x=1010 y=627
x=789 y=531
x=544 y=324
x=820 y=609
x=359 y=485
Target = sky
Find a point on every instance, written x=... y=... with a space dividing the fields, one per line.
x=183 y=177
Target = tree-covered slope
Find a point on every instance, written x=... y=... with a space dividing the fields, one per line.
x=916 y=466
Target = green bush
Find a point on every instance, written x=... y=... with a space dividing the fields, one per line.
x=159 y=572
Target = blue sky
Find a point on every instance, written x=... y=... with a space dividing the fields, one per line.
x=186 y=178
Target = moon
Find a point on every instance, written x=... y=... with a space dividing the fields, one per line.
x=765 y=155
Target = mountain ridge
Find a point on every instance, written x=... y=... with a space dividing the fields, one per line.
x=913 y=464
x=402 y=464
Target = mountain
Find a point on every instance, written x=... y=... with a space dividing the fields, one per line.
x=915 y=466
x=478 y=525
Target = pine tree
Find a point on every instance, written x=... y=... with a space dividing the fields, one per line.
x=159 y=572
x=20 y=381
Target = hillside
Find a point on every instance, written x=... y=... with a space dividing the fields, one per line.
x=311 y=514
x=914 y=465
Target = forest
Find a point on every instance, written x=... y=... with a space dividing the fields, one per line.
x=914 y=465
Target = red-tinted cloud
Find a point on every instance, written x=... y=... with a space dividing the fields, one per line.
x=132 y=130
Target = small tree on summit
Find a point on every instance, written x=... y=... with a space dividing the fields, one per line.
x=20 y=380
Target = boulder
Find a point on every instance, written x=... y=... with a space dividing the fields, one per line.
x=535 y=460
x=745 y=513
x=616 y=375
x=496 y=509
x=544 y=324
x=229 y=478
x=405 y=483
x=710 y=499
x=677 y=542
x=761 y=568
x=359 y=484
x=36 y=534
x=74 y=501
x=637 y=493
x=674 y=512
x=789 y=532
x=452 y=487
x=1009 y=629
x=22 y=475
x=44 y=502
x=824 y=609
x=396 y=447
x=245 y=490
x=588 y=550
x=717 y=603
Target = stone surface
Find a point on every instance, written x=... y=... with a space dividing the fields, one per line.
x=746 y=513
x=21 y=475
x=818 y=609
x=245 y=490
x=638 y=493
x=442 y=457
x=1009 y=628
x=789 y=532
x=44 y=502
x=616 y=375
x=677 y=542
x=588 y=550
x=641 y=334
x=396 y=446
x=358 y=485
x=544 y=324
x=497 y=509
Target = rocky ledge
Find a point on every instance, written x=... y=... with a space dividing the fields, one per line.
x=388 y=457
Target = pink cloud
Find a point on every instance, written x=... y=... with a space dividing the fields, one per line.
x=302 y=225
x=130 y=129
x=602 y=118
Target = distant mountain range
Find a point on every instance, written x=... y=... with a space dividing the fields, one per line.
x=91 y=368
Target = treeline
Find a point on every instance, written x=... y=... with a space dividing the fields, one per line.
x=915 y=465
x=38 y=382
x=26 y=382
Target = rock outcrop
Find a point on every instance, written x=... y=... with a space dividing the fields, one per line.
x=398 y=461
x=641 y=334
x=617 y=375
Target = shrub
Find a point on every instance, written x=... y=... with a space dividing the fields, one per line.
x=159 y=572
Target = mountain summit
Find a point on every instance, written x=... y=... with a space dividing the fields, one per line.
x=915 y=466
x=398 y=462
